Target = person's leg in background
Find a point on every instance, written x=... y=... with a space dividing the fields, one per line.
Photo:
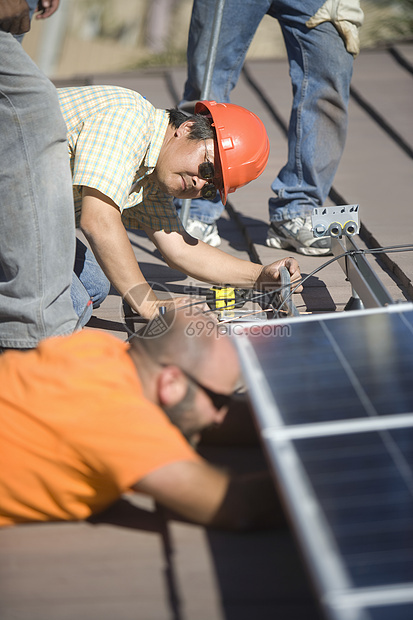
x=37 y=247
x=320 y=71
x=320 y=78
x=90 y=286
x=240 y=21
x=203 y=217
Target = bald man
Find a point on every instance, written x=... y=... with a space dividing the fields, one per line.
x=85 y=418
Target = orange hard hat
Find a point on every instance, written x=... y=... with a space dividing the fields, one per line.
x=243 y=145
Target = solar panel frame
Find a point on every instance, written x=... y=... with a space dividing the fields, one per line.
x=339 y=597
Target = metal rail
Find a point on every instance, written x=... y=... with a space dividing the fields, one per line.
x=367 y=290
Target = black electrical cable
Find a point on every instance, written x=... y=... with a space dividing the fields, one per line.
x=298 y=283
x=381 y=250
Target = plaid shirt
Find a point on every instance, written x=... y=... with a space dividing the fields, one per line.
x=114 y=137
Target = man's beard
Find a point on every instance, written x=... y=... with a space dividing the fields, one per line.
x=177 y=414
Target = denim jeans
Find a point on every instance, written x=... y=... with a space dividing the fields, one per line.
x=37 y=243
x=207 y=211
x=89 y=283
x=320 y=71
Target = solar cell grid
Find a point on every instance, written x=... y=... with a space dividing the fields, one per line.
x=334 y=403
x=401 y=612
x=367 y=500
x=326 y=367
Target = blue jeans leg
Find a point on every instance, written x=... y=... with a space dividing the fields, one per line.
x=320 y=70
x=89 y=283
x=240 y=20
x=208 y=211
x=37 y=245
x=239 y=23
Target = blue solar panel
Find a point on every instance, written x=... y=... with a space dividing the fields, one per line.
x=386 y=612
x=325 y=358
x=333 y=398
x=367 y=501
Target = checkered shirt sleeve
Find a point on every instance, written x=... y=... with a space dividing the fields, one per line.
x=105 y=155
x=114 y=138
x=156 y=210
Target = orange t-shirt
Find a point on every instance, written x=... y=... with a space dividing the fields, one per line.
x=75 y=429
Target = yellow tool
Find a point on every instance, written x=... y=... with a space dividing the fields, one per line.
x=228 y=300
x=221 y=298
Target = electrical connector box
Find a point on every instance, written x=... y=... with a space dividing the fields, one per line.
x=336 y=221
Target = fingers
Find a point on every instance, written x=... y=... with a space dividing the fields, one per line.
x=270 y=275
x=292 y=265
x=192 y=303
x=46 y=8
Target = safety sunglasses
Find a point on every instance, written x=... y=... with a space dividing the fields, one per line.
x=207 y=172
x=218 y=400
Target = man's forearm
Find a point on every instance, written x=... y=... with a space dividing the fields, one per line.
x=203 y=262
x=117 y=260
x=206 y=495
x=102 y=225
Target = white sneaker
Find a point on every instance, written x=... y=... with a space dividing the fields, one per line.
x=208 y=233
x=297 y=234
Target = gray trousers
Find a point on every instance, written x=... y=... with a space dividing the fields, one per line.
x=37 y=230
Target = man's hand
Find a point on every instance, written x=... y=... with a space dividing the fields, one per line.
x=46 y=8
x=14 y=16
x=270 y=274
x=190 y=302
x=151 y=310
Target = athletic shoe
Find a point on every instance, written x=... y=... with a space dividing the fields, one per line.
x=205 y=232
x=297 y=234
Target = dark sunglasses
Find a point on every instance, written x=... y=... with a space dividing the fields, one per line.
x=218 y=400
x=207 y=172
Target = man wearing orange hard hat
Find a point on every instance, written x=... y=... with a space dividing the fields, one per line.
x=129 y=160
x=242 y=143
